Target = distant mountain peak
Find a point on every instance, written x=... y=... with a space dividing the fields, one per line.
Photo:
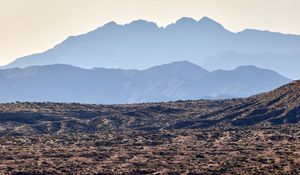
x=110 y=25
x=182 y=62
x=204 y=23
x=253 y=69
x=247 y=67
x=186 y=20
x=140 y=23
x=209 y=22
x=181 y=65
x=106 y=27
x=182 y=68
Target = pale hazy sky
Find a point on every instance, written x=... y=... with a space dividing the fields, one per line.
x=31 y=26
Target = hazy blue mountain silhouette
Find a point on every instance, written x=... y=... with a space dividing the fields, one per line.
x=175 y=81
x=142 y=44
x=287 y=65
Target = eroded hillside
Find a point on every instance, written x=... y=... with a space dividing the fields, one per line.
x=256 y=135
x=277 y=107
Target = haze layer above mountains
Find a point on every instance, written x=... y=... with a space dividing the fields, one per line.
x=143 y=44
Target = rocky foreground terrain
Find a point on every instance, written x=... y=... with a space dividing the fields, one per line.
x=256 y=135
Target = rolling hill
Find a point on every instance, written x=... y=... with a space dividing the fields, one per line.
x=255 y=135
x=280 y=106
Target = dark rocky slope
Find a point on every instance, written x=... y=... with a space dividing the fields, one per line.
x=280 y=106
x=256 y=135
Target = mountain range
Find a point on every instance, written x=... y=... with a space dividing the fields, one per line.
x=142 y=44
x=180 y=80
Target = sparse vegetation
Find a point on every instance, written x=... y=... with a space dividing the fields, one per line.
x=237 y=150
x=256 y=135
